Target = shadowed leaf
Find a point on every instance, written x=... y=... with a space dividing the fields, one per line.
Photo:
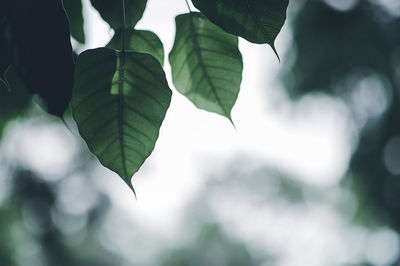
x=75 y=17
x=142 y=41
x=111 y=11
x=5 y=44
x=258 y=21
x=119 y=102
x=206 y=64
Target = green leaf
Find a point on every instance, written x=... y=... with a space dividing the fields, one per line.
x=258 y=21
x=111 y=11
x=75 y=17
x=206 y=64
x=142 y=41
x=119 y=102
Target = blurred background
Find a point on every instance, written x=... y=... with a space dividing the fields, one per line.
x=310 y=176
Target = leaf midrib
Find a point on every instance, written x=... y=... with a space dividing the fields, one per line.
x=202 y=65
x=121 y=69
x=142 y=35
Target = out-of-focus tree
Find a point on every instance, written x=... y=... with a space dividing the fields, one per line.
x=211 y=248
x=351 y=50
x=32 y=232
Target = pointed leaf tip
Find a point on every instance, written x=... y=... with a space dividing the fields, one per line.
x=129 y=182
x=256 y=21
x=275 y=52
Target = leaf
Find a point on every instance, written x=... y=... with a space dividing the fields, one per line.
x=119 y=102
x=14 y=98
x=111 y=11
x=206 y=64
x=75 y=17
x=40 y=33
x=258 y=21
x=142 y=41
x=5 y=45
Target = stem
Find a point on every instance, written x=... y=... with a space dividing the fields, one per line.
x=187 y=3
x=123 y=25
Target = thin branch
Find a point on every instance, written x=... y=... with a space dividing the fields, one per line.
x=187 y=3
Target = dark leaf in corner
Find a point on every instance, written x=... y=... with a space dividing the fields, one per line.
x=40 y=31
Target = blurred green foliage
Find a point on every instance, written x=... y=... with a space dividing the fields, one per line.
x=29 y=234
x=354 y=54
x=329 y=46
x=211 y=248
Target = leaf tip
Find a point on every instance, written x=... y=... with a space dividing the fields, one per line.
x=230 y=120
x=275 y=52
x=131 y=187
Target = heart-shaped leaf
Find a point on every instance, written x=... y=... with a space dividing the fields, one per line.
x=119 y=102
x=258 y=21
x=142 y=41
x=111 y=11
x=75 y=17
x=206 y=64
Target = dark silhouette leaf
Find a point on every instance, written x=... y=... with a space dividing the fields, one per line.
x=40 y=33
x=119 y=102
x=5 y=45
x=206 y=64
x=111 y=11
x=142 y=41
x=75 y=17
x=14 y=98
x=258 y=21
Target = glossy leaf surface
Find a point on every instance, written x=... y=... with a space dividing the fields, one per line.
x=119 y=102
x=258 y=21
x=206 y=64
x=142 y=41
x=111 y=11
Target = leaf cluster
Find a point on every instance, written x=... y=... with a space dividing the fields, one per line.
x=119 y=93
